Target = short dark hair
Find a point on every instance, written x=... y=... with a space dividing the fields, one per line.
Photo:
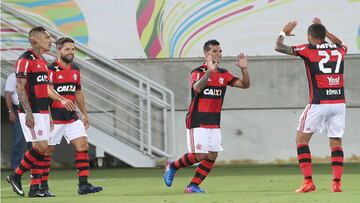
x=208 y=43
x=317 y=31
x=61 y=41
x=37 y=29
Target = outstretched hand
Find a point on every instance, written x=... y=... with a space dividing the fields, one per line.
x=209 y=61
x=242 y=61
x=316 y=20
x=288 y=28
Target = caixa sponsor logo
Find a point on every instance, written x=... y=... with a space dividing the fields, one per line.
x=66 y=88
x=334 y=81
x=41 y=78
x=212 y=92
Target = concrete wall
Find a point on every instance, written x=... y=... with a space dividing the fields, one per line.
x=259 y=124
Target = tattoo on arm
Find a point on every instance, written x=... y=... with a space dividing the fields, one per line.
x=281 y=47
x=22 y=95
x=245 y=78
x=201 y=84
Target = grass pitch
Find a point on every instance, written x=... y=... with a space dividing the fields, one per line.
x=255 y=183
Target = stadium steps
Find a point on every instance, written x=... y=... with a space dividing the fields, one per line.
x=132 y=117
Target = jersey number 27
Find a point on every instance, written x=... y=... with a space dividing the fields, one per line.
x=327 y=58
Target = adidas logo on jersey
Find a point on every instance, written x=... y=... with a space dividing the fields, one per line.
x=38 y=66
x=60 y=77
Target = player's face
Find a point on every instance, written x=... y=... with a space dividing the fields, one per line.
x=44 y=40
x=216 y=53
x=67 y=52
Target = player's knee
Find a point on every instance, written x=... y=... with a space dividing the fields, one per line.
x=335 y=142
x=201 y=156
x=40 y=146
x=50 y=150
x=212 y=156
x=82 y=146
x=302 y=138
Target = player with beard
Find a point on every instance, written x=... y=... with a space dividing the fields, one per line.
x=64 y=78
x=208 y=86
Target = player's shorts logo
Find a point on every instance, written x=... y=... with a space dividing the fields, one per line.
x=198 y=146
x=40 y=132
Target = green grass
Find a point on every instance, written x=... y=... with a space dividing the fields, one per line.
x=255 y=183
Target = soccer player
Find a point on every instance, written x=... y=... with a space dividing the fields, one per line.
x=326 y=109
x=208 y=86
x=64 y=78
x=32 y=89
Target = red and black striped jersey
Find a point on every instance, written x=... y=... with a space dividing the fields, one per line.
x=325 y=71
x=66 y=81
x=205 y=107
x=34 y=69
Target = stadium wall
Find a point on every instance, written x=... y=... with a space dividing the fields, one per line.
x=259 y=124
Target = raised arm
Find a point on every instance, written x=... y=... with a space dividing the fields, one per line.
x=334 y=39
x=286 y=31
x=201 y=84
x=243 y=65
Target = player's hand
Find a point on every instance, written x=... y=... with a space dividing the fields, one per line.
x=85 y=121
x=68 y=104
x=209 y=61
x=29 y=120
x=12 y=117
x=288 y=28
x=316 y=20
x=242 y=61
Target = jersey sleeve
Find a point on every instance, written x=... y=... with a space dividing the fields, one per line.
x=300 y=50
x=10 y=84
x=231 y=79
x=23 y=67
x=343 y=48
x=78 y=81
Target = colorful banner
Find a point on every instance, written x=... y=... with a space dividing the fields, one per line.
x=179 y=28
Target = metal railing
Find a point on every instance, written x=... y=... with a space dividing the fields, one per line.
x=124 y=104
